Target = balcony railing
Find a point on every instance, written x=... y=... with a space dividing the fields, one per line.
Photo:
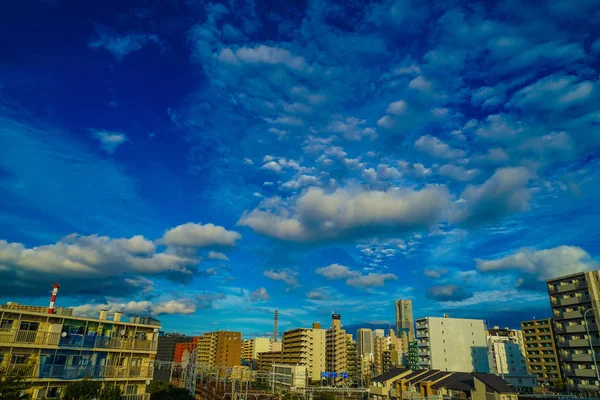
x=69 y=372
x=36 y=338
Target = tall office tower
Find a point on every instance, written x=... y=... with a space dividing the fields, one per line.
x=541 y=355
x=378 y=333
x=404 y=319
x=335 y=355
x=452 y=344
x=305 y=346
x=506 y=357
x=575 y=302
x=365 y=341
x=222 y=348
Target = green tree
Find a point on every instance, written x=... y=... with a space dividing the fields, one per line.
x=13 y=385
x=157 y=386
x=110 y=393
x=324 y=396
x=165 y=391
x=82 y=390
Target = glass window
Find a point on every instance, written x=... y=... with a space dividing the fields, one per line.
x=6 y=324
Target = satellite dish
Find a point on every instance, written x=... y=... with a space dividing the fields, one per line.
x=64 y=334
x=122 y=333
x=185 y=359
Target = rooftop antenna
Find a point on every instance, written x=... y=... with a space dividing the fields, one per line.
x=53 y=298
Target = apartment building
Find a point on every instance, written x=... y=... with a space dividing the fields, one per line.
x=251 y=347
x=268 y=359
x=365 y=341
x=167 y=344
x=354 y=368
x=52 y=350
x=184 y=350
x=541 y=355
x=506 y=356
x=575 y=302
x=221 y=348
x=307 y=347
x=335 y=355
x=452 y=344
x=404 y=319
x=379 y=347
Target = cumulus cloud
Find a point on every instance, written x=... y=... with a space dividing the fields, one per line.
x=346 y=213
x=354 y=278
x=286 y=275
x=351 y=128
x=459 y=172
x=435 y=273
x=184 y=306
x=534 y=267
x=503 y=194
x=120 y=45
x=315 y=295
x=215 y=255
x=437 y=148
x=109 y=141
x=262 y=54
x=259 y=294
x=198 y=235
x=448 y=292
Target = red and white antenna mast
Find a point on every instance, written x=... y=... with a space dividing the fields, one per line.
x=53 y=299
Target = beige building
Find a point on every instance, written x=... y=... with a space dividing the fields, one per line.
x=266 y=360
x=222 y=348
x=541 y=355
x=306 y=346
x=251 y=347
x=289 y=378
x=380 y=346
x=574 y=299
x=335 y=355
x=53 y=350
x=365 y=341
x=404 y=319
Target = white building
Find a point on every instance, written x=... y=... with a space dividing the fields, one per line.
x=251 y=347
x=378 y=333
x=452 y=344
x=289 y=378
x=506 y=356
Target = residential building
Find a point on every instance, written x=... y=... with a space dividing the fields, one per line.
x=383 y=387
x=335 y=354
x=507 y=358
x=575 y=302
x=221 y=348
x=378 y=333
x=289 y=378
x=541 y=355
x=251 y=347
x=52 y=350
x=365 y=341
x=412 y=356
x=456 y=385
x=452 y=344
x=380 y=346
x=307 y=347
x=166 y=346
x=276 y=346
x=266 y=360
x=354 y=371
x=186 y=349
x=404 y=319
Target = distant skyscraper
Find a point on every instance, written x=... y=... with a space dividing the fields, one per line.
x=404 y=319
x=365 y=341
x=378 y=333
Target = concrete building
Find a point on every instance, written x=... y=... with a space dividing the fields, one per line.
x=404 y=319
x=452 y=344
x=289 y=378
x=541 y=355
x=380 y=346
x=166 y=345
x=52 y=350
x=353 y=360
x=378 y=333
x=276 y=346
x=573 y=297
x=251 y=347
x=221 y=348
x=182 y=348
x=506 y=357
x=335 y=353
x=365 y=341
x=383 y=387
x=266 y=360
x=307 y=347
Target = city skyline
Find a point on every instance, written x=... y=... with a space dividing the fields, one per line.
x=207 y=163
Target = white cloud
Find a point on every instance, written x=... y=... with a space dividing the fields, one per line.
x=420 y=84
x=109 y=141
x=215 y=255
x=538 y=266
x=198 y=235
x=459 y=173
x=248 y=161
x=272 y=166
x=435 y=273
x=139 y=308
x=354 y=278
x=286 y=275
x=437 y=148
x=259 y=294
x=500 y=127
x=120 y=45
x=553 y=93
x=263 y=55
x=449 y=292
x=318 y=215
x=351 y=128
x=337 y=271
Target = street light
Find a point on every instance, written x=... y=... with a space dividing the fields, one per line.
x=587 y=329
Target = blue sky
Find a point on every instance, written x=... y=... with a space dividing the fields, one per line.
x=208 y=162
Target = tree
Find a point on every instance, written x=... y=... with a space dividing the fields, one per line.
x=82 y=390
x=13 y=384
x=165 y=391
x=157 y=386
x=110 y=393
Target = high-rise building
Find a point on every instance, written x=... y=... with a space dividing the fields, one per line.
x=365 y=341
x=575 y=302
x=353 y=361
x=335 y=355
x=251 y=347
x=379 y=347
x=541 y=355
x=52 y=350
x=506 y=357
x=404 y=319
x=452 y=344
x=305 y=346
x=378 y=333
x=222 y=348
x=182 y=348
x=167 y=343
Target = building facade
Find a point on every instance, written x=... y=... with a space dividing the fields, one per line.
x=365 y=341
x=452 y=344
x=575 y=302
x=166 y=346
x=289 y=378
x=251 y=347
x=305 y=346
x=353 y=360
x=52 y=350
x=222 y=349
x=506 y=357
x=404 y=319
x=335 y=353
x=266 y=360
x=541 y=355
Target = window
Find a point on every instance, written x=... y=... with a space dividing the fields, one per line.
x=6 y=324
x=19 y=358
x=29 y=326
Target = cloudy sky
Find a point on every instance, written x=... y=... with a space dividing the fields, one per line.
x=208 y=162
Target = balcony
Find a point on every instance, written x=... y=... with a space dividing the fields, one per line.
x=569 y=315
x=574 y=343
x=68 y=372
x=569 y=301
x=585 y=357
x=422 y=334
x=45 y=339
x=581 y=372
x=423 y=354
x=567 y=287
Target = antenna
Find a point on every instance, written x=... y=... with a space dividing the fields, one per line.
x=275 y=321
x=53 y=298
